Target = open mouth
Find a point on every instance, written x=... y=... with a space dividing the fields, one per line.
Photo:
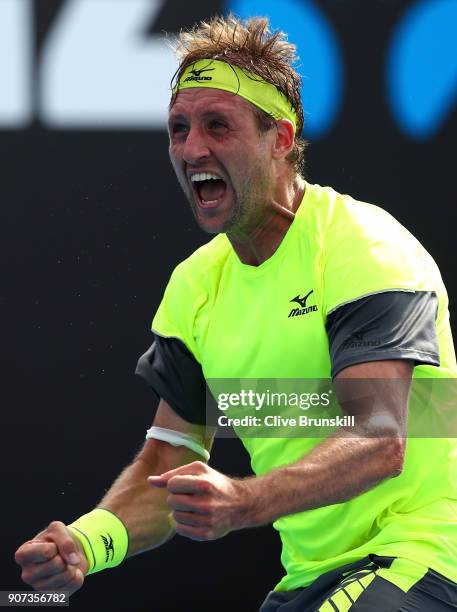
x=209 y=188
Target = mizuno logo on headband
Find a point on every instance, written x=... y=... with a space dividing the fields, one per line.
x=196 y=75
x=248 y=85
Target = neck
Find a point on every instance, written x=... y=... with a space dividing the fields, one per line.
x=256 y=245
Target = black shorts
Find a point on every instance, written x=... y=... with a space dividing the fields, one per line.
x=358 y=587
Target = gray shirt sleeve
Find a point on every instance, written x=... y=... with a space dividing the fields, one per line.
x=390 y=325
x=174 y=374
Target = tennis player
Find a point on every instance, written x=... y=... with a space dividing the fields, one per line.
x=299 y=282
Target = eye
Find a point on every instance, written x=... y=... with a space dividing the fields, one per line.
x=215 y=124
x=179 y=128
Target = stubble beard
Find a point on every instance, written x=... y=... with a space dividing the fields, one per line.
x=246 y=209
x=249 y=210
x=241 y=203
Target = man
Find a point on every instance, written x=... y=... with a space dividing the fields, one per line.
x=367 y=520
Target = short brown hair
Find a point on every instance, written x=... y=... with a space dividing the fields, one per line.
x=251 y=46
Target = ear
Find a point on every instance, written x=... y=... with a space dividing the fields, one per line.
x=285 y=139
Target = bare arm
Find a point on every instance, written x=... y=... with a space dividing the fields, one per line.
x=54 y=558
x=144 y=511
x=350 y=461
x=341 y=467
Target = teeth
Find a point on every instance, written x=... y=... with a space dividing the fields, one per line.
x=204 y=176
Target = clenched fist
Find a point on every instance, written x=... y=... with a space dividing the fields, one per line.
x=53 y=560
x=206 y=504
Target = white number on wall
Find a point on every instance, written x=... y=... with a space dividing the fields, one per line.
x=100 y=68
x=15 y=63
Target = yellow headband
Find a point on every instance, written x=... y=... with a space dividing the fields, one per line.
x=225 y=76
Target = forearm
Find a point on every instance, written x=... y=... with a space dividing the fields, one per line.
x=207 y=504
x=143 y=511
x=343 y=466
x=335 y=471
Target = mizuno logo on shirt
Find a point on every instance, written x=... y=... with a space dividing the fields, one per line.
x=304 y=309
x=358 y=340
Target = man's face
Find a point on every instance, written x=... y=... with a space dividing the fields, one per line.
x=222 y=162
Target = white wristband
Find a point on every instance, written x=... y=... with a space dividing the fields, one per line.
x=176 y=438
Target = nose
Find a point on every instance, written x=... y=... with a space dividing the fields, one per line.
x=195 y=147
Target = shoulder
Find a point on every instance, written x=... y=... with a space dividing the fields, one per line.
x=195 y=279
x=188 y=292
x=362 y=249
x=204 y=263
x=341 y=217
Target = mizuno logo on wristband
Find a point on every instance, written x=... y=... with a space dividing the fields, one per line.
x=109 y=547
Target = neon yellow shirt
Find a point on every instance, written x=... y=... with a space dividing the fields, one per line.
x=234 y=319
